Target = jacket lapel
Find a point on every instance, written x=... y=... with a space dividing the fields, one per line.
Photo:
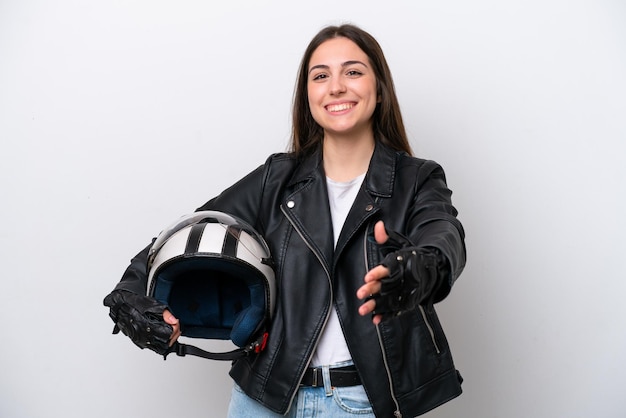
x=306 y=202
x=306 y=205
x=378 y=183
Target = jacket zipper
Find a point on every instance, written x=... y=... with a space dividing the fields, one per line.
x=430 y=329
x=332 y=296
x=397 y=412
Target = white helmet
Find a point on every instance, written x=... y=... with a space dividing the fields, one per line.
x=214 y=271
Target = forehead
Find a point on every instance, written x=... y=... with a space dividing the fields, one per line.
x=337 y=50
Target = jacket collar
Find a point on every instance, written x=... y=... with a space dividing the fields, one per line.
x=307 y=189
x=380 y=174
x=382 y=170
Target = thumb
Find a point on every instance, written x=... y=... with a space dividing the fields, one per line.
x=380 y=233
x=169 y=318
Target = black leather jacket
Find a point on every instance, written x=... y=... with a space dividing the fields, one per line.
x=404 y=363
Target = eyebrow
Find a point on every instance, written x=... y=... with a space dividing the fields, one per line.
x=343 y=65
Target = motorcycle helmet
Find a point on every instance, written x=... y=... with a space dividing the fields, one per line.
x=214 y=271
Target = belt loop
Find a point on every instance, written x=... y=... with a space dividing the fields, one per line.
x=328 y=386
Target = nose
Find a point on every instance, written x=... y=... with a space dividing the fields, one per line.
x=337 y=86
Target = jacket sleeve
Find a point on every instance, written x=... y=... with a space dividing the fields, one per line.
x=433 y=222
x=241 y=199
x=135 y=278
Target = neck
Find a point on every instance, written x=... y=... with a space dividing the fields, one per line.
x=345 y=159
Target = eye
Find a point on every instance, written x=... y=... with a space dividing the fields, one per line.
x=319 y=76
x=354 y=73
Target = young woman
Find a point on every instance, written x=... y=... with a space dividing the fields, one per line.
x=365 y=241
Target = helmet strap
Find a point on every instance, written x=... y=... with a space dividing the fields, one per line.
x=182 y=350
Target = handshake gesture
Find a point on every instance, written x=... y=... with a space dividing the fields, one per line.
x=407 y=277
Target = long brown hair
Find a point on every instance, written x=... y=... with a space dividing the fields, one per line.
x=387 y=118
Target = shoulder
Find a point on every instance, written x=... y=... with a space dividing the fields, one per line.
x=406 y=160
x=401 y=160
x=417 y=166
x=280 y=163
x=281 y=158
x=419 y=171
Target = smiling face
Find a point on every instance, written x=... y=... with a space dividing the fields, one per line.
x=341 y=89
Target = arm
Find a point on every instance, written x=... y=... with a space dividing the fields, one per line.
x=433 y=223
x=146 y=321
x=421 y=267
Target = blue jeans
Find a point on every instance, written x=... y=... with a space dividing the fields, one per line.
x=318 y=402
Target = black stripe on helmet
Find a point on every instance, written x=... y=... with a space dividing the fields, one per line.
x=231 y=240
x=193 y=240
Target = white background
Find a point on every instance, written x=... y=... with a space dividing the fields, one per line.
x=117 y=117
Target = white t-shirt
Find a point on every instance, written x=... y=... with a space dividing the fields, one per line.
x=332 y=347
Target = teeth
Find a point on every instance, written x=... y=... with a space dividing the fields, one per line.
x=340 y=107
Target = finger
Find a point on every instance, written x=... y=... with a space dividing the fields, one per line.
x=377 y=273
x=172 y=341
x=175 y=334
x=367 y=307
x=169 y=318
x=380 y=233
x=372 y=281
x=368 y=289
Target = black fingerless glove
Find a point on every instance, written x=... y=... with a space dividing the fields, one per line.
x=414 y=275
x=141 y=319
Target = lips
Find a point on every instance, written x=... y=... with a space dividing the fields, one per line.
x=339 y=107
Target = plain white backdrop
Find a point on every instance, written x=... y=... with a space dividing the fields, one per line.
x=117 y=117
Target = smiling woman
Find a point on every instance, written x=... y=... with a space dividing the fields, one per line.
x=361 y=57
x=343 y=95
x=116 y=117
x=365 y=241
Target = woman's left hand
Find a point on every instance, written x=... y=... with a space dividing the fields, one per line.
x=372 y=278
